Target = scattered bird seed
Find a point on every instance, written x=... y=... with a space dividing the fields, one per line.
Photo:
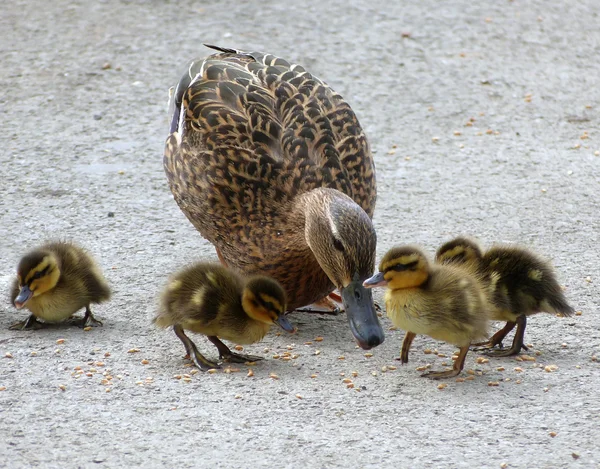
x=144 y=362
x=133 y=350
x=62 y=387
x=87 y=328
x=273 y=376
x=250 y=373
x=8 y=355
x=553 y=434
x=2 y=388
x=60 y=341
x=368 y=354
x=298 y=396
x=239 y=348
x=442 y=386
x=493 y=383
x=212 y=371
x=319 y=339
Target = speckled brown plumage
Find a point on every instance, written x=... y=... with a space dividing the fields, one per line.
x=251 y=136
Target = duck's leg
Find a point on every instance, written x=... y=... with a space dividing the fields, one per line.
x=192 y=351
x=228 y=356
x=30 y=324
x=89 y=319
x=408 y=339
x=496 y=339
x=221 y=258
x=517 y=344
x=459 y=363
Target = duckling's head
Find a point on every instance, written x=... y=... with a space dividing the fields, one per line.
x=401 y=267
x=342 y=238
x=263 y=299
x=459 y=251
x=37 y=273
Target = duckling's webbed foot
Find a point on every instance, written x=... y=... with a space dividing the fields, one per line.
x=496 y=339
x=30 y=324
x=459 y=363
x=192 y=351
x=89 y=319
x=227 y=355
x=517 y=344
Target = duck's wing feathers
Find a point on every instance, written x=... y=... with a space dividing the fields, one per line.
x=250 y=127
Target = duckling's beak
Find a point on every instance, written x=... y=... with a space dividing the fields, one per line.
x=376 y=280
x=23 y=297
x=285 y=324
x=362 y=317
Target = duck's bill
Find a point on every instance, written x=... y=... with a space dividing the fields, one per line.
x=362 y=316
x=376 y=280
x=23 y=297
x=285 y=324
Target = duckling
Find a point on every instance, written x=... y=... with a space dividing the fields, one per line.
x=56 y=280
x=212 y=300
x=519 y=283
x=526 y=284
x=461 y=251
x=443 y=302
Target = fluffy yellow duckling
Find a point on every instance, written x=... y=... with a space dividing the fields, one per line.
x=442 y=302
x=523 y=284
x=212 y=300
x=56 y=280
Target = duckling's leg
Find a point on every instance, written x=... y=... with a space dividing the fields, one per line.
x=89 y=319
x=459 y=363
x=496 y=339
x=192 y=351
x=30 y=324
x=517 y=344
x=408 y=339
x=228 y=356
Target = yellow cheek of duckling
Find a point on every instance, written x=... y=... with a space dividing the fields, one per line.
x=44 y=284
x=407 y=279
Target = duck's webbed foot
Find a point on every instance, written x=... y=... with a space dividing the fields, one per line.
x=89 y=319
x=441 y=374
x=517 y=344
x=228 y=356
x=459 y=363
x=30 y=324
x=327 y=305
x=192 y=351
x=495 y=340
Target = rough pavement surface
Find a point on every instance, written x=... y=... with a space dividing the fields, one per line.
x=83 y=102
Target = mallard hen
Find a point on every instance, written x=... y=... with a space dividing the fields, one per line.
x=273 y=168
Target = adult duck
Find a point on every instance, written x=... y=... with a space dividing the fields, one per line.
x=273 y=168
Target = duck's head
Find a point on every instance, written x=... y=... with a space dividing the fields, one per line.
x=342 y=238
x=459 y=251
x=263 y=299
x=401 y=267
x=37 y=273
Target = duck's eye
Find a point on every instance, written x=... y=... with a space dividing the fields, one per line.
x=37 y=275
x=338 y=245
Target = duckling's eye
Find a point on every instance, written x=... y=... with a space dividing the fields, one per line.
x=338 y=245
x=403 y=267
x=37 y=275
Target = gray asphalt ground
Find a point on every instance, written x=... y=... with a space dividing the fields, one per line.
x=83 y=101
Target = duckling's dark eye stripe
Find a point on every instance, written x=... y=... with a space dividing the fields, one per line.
x=402 y=267
x=41 y=273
